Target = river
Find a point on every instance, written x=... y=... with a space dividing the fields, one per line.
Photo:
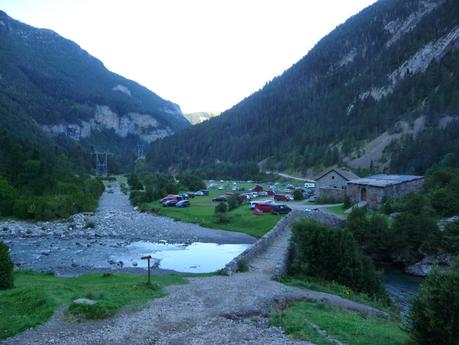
x=401 y=287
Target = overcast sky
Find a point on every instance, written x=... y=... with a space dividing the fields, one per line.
x=205 y=55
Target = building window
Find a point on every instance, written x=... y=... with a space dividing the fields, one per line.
x=333 y=177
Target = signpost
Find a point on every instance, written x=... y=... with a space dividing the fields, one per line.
x=148 y=257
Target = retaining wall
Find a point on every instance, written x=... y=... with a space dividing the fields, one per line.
x=264 y=242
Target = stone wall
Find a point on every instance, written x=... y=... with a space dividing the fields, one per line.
x=331 y=180
x=268 y=239
x=263 y=243
x=375 y=195
x=332 y=194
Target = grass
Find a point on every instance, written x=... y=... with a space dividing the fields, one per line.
x=37 y=295
x=339 y=209
x=202 y=212
x=350 y=328
x=331 y=287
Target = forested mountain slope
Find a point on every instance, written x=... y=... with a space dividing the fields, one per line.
x=50 y=84
x=392 y=63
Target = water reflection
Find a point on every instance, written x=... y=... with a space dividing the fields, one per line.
x=194 y=258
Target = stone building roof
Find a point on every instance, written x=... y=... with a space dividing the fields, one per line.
x=385 y=180
x=344 y=173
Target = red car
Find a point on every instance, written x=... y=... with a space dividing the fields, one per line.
x=167 y=198
x=282 y=197
x=263 y=207
x=271 y=193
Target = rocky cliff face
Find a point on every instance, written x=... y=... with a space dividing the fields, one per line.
x=54 y=83
x=144 y=126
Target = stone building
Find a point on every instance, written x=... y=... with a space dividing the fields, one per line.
x=332 y=183
x=373 y=189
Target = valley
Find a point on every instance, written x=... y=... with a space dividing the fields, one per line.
x=320 y=207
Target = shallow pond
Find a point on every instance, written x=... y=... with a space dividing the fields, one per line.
x=193 y=258
x=81 y=255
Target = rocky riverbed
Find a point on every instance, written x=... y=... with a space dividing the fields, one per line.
x=97 y=241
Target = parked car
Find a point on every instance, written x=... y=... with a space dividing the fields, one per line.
x=182 y=203
x=311 y=209
x=221 y=198
x=263 y=207
x=219 y=188
x=271 y=192
x=205 y=192
x=283 y=197
x=262 y=193
x=280 y=209
x=312 y=198
x=170 y=203
x=190 y=195
x=167 y=198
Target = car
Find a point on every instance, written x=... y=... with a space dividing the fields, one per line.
x=182 y=203
x=263 y=207
x=312 y=199
x=167 y=198
x=205 y=192
x=221 y=198
x=190 y=195
x=280 y=209
x=198 y=193
x=283 y=197
x=170 y=203
x=311 y=209
x=262 y=193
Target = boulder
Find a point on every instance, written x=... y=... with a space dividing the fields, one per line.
x=423 y=267
x=85 y=301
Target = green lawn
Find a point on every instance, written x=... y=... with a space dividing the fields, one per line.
x=331 y=287
x=36 y=296
x=339 y=210
x=202 y=212
x=301 y=319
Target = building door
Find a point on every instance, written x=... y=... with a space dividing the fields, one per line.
x=363 y=194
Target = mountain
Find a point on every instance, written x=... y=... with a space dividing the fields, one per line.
x=199 y=117
x=368 y=95
x=50 y=87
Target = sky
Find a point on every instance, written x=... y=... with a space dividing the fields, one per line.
x=205 y=55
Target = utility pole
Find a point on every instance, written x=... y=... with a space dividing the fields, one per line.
x=101 y=162
x=140 y=151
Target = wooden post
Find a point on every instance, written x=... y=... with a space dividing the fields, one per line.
x=148 y=258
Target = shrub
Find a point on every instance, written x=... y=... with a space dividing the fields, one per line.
x=298 y=195
x=6 y=268
x=334 y=255
x=450 y=238
x=221 y=218
x=234 y=201
x=242 y=266
x=435 y=310
x=221 y=208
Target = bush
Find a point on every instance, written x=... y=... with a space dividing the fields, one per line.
x=234 y=201
x=450 y=238
x=221 y=208
x=6 y=268
x=435 y=310
x=334 y=255
x=134 y=182
x=221 y=218
x=414 y=236
x=298 y=195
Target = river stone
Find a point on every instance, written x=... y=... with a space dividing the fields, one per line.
x=85 y=301
x=423 y=267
